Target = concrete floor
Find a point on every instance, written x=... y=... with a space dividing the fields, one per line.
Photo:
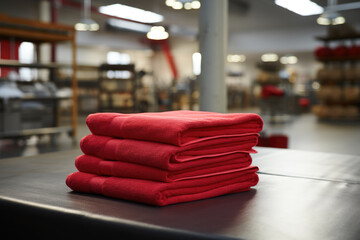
x=304 y=132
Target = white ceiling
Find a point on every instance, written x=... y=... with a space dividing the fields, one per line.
x=254 y=25
x=243 y=14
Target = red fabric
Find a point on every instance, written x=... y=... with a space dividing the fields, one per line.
x=323 y=52
x=304 y=102
x=166 y=156
x=341 y=51
x=354 y=51
x=174 y=127
x=278 y=141
x=161 y=194
x=98 y=166
x=271 y=90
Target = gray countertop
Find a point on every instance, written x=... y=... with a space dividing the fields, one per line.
x=300 y=195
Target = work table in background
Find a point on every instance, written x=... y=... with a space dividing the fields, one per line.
x=300 y=195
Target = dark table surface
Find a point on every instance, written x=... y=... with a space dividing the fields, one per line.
x=300 y=195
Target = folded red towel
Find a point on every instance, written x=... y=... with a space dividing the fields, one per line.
x=166 y=156
x=174 y=127
x=161 y=194
x=98 y=166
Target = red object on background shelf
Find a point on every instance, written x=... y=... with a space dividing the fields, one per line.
x=323 y=52
x=262 y=141
x=304 y=102
x=270 y=90
x=278 y=141
x=354 y=51
x=341 y=51
x=274 y=141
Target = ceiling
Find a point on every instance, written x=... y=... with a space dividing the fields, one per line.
x=254 y=25
x=243 y=14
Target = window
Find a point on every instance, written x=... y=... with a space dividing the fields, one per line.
x=118 y=58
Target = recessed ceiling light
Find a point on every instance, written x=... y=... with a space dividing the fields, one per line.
x=131 y=13
x=269 y=57
x=288 y=59
x=235 y=58
x=301 y=7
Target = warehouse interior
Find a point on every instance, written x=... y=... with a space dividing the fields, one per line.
x=276 y=65
x=180 y=119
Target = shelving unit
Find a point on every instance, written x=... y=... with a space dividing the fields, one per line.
x=276 y=98
x=117 y=88
x=339 y=78
x=38 y=33
x=88 y=86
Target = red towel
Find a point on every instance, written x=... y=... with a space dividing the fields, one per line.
x=174 y=127
x=161 y=194
x=166 y=156
x=98 y=166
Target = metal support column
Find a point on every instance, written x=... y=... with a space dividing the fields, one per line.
x=213 y=47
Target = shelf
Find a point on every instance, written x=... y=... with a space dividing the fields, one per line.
x=117 y=79
x=16 y=64
x=41 y=32
x=37 y=131
x=109 y=67
x=44 y=98
x=115 y=91
x=347 y=37
x=337 y=59
x=34 y=31
x=81 y=83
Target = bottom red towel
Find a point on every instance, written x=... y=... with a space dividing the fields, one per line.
x=161 y=194
x=98 y=166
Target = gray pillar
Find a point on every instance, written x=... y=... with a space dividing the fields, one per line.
x=213 y=48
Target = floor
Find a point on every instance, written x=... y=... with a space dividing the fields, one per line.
x=304 y=132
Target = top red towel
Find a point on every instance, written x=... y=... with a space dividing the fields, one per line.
x=174 y=127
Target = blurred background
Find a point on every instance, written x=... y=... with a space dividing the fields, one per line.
x=296 y=63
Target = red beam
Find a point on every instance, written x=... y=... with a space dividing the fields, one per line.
x=166 y=48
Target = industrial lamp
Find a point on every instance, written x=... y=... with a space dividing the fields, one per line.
x=157 y=33
x=330 y=16
x=86 y=23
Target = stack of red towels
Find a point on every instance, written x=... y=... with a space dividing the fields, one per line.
x=168 y=157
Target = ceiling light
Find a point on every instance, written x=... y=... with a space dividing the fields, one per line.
x=169 y=3
x=187 y=6
x=196 y=4
x=288 y=59
x=157 y=33
x=196 y=58
x=235 y=58
x=180 y=4
x=331 y=16
x=86 y=23
x=269 y=57
x=301 y=7
x=177 y=5
x=131 y=13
